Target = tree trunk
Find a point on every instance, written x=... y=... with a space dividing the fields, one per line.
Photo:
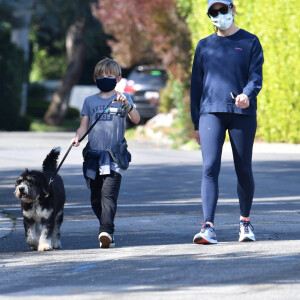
x=75 y=47
x=19 y=37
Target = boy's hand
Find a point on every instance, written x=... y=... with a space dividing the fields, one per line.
x=75 y=141
x=122 y=98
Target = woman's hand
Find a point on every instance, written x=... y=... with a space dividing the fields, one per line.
x=197 y=136
x=242 y=101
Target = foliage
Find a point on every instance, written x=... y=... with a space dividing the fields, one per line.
x=143 y=33
x=51 y=20
x=278 y=31
x=153 y=32
x=37 y=105
x=12 y=68
x=67 y=125
x=174 y=95
x=8 y=9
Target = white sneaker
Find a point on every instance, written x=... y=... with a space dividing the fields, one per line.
x=106 y=240
x=246 y=232
x=207 y=235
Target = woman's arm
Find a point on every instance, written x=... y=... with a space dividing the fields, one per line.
x=255 y=76
x=196 y=87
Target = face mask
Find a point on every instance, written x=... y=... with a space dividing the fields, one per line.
x=106 y=84
x=223 y=21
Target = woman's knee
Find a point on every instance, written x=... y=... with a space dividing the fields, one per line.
x=211 y=170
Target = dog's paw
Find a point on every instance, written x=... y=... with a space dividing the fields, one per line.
x=57 y=245
x=44 y=247
x=33 y=244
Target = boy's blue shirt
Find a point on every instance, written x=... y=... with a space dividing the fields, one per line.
x=109 y=131
x=223 y=65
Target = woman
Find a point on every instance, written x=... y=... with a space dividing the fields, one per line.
x=226 y=79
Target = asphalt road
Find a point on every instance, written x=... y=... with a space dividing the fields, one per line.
x=159 y=212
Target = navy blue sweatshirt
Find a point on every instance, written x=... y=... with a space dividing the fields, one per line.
x=223 y=65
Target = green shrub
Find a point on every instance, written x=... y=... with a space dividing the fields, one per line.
x=37 y=104
x=72 y=114
x=276 y=23
x=13 y=70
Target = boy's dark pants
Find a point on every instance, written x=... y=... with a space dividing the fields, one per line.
x=104 y=195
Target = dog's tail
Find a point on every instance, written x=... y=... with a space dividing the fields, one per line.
x=50 y=162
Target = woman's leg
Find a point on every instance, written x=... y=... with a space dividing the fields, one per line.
x=212 y=134
x=242 y=133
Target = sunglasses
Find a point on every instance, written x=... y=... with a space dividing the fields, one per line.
x=222 y=10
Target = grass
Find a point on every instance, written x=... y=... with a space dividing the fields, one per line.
x=68 y=125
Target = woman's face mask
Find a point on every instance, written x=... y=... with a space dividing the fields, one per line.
x=223 y=21
x=106 y=84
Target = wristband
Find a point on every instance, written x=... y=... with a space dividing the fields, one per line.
x=128 y=107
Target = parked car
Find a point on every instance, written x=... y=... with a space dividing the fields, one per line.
x=144 y=84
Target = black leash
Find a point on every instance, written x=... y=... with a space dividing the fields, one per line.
x=88 y=131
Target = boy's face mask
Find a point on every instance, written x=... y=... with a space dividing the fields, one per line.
x=106 y=84
x=223 y=21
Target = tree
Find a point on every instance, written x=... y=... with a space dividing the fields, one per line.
x=75 y=51
x=279 y=99
x=152 y=32
x=18 y=14
x=59 y=23
x=12 y=68
x=146 y=32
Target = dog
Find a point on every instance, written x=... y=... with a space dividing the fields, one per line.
x=42 y=204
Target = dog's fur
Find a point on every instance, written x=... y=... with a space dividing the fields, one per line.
x=42 y=204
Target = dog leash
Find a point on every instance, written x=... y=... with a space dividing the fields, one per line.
x=81 y=139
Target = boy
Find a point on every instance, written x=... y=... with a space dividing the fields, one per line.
x=104 y=175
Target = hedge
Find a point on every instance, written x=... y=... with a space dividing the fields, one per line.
x=276 y=23
x=12 y=72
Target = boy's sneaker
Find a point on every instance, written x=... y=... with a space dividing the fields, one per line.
x=246 y=232
x=106 y=240
x=207 y=235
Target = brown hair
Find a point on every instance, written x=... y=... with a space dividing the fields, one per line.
x=107 y=66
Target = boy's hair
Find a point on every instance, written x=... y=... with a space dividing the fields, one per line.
x=107 y=66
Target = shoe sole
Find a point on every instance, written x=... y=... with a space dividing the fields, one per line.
x=246 y=239
x=204 y=241
x=104 y=241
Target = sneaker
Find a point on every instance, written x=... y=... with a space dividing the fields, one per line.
x=207 y=235
x=246 y=232
x=106 y=240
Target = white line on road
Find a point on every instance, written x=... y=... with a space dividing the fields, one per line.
x=257 y=201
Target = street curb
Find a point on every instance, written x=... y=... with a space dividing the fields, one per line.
x=6 y=225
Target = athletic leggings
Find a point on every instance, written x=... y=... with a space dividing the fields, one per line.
x=212 y=129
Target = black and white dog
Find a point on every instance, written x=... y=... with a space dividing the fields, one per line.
x=42 y=204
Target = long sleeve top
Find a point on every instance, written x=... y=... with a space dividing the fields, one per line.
x=223 y=65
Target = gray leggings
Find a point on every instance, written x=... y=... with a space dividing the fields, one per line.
x=212 y=129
